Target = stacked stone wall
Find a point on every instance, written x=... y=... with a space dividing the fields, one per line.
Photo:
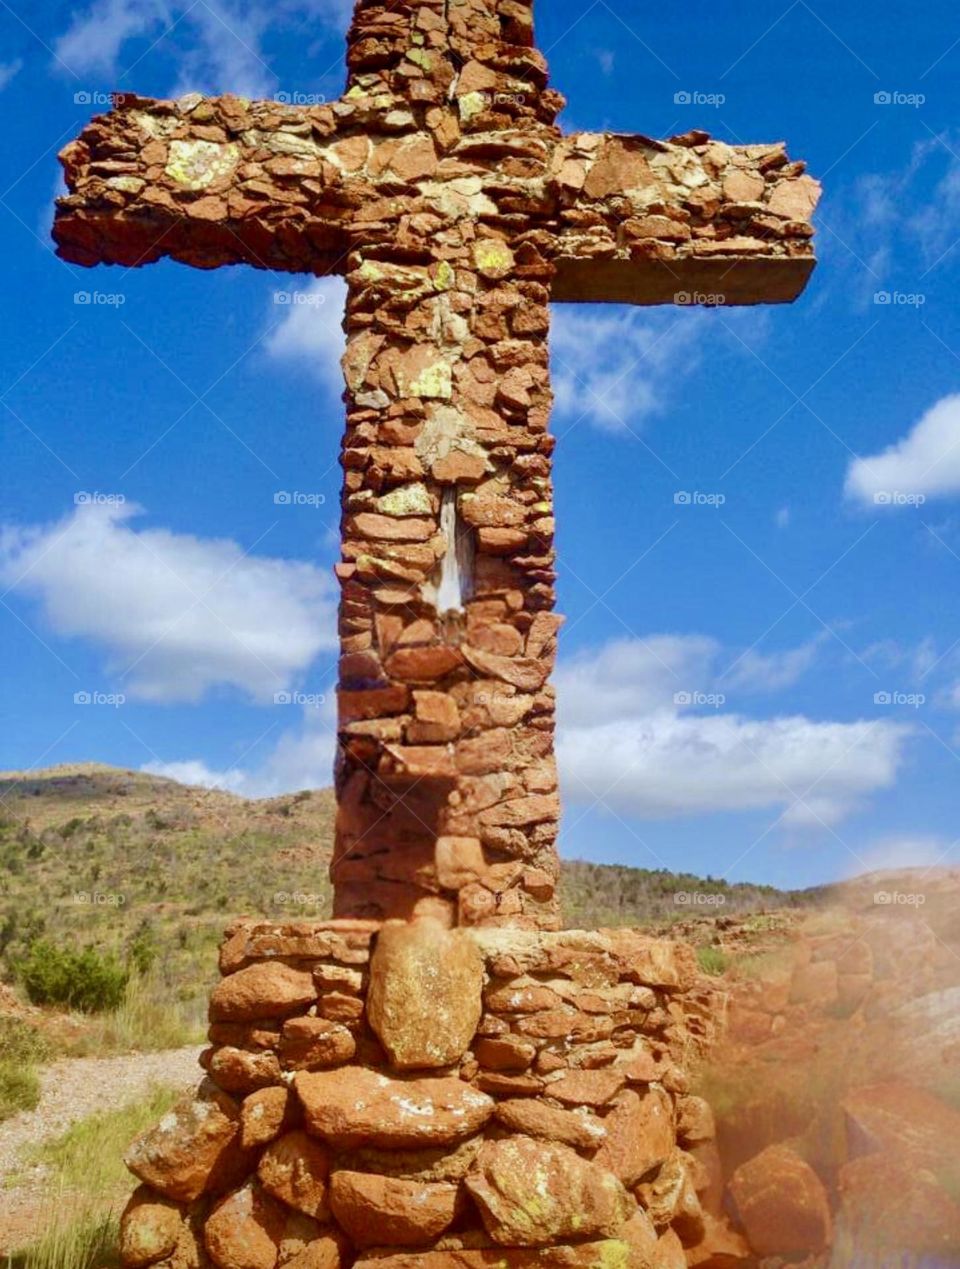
x=405 y=1094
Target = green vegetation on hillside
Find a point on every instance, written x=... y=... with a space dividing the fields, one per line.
x=115 y=887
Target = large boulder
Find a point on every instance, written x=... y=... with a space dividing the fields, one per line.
x=425 y=994
x=356 y=1107
x=194 y=1149
x=781 y=1203
x=906 y=1123
x=390 y=1211
x=889 y=1207
x=532 y=1194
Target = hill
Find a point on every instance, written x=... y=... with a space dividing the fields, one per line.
x=121 y=860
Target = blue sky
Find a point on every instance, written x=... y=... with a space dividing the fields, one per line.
x=760 y=680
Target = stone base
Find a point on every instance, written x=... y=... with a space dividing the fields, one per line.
x=435 y=1098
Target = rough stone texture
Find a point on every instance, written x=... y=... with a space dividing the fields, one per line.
x=357 y=1107
x=390 y=1211
x=193 y=1150
x=440 y=187
x=782 y=1204
x=533 y=1194
x=424 y=999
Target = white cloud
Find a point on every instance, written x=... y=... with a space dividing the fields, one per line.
x=614 y=368
x=310 y=332
x=301 y=759
x=224 y=46
x=623 y=741
x=755 y=671
x=906 y=850
x=8 y=70
x=925 y=462
x=176 y=614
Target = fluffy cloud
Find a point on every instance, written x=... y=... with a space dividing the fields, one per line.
x=224 y=51
x=614 y=368
x=310 y=332
x=925 y=462
x=302 y=758
x=626 y=740
x=177 y=615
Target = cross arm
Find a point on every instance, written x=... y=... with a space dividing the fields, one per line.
x=689 y=221
x=209 y=181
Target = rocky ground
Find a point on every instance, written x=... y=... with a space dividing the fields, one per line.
x=836 y=1080
x=72 y=1089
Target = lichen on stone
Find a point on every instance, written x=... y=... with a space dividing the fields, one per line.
x=197 y=164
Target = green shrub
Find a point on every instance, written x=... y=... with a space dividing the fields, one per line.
x=84 y=980
x=19 y=1088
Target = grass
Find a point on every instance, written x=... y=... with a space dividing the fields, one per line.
x=148 y=1018
x=712 y=960
x=22 y=1047
x=88 y=1186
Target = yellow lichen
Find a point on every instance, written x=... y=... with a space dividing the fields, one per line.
x=197 y=164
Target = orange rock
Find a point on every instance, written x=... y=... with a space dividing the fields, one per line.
x=355 y=1107
x=533 y=1194
x=782 y=1204
x=295 y=1168
x=390 y=1211
x=150 y=1228
x=510 y=1053
x=424 y=998
x=639 y=1133
x=265 y=1114
x=459 y=861
x=587 y=1088
x=239 y=1071
x=890 y=1208
x=522 y=998
x=311 y=1044
x=535 y=1118
x=588 y=1255
x=262 y=990
x=194 y=1149
x=422 y=664
x=244 y=1230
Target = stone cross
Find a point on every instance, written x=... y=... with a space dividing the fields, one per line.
x=440 y=187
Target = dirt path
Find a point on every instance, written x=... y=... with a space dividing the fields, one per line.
x=73 y=1089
